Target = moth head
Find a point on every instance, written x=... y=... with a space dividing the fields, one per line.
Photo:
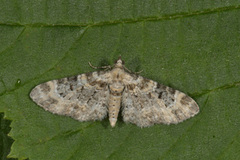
x=119 y=62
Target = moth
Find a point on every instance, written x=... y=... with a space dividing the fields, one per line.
x=93 y=96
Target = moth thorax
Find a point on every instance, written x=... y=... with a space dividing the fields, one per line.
x=116 y=89
x=119 y=63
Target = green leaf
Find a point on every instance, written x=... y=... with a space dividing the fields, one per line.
x=192 y=46
x=5 y=141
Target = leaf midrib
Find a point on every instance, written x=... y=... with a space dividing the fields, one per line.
x=150 y=18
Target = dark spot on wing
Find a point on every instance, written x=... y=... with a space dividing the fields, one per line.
x=146 y=80
x=165 y=95
x=89 y=100
x=185 y=100
x=116 y=93
x=76 y=107
x=93 y=83
x=161 y=87
x=94 y=93
x=100 y=72
x=72 y=79
x=89 y=74
x=149 y=95
x=131 y=86
x=63 y=95
x=52 y=100
x=171 y=90
x=179 y=114
x=102 y=84
x=62 y=81
x=194 y=107
x=34 y=93
x=160 y=95
x=144 y=83
x=71 y=87
x=135 y=77
x=45 y=88
x=48 y=102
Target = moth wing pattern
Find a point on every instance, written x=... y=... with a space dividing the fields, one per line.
x=91 y=96
x=82 y=97
x=146 y=102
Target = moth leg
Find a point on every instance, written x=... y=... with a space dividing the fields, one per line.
x=131 y=71
x=102 y=67
x=138 y=72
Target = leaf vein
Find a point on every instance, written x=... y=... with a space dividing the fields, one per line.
x=129 y=20
x=51 y=68
x=226 y=86
x=174 y=144
x=14 y=42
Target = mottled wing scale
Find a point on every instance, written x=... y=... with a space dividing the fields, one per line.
x=83 y=97
x=92 y=96
x=146 y=102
